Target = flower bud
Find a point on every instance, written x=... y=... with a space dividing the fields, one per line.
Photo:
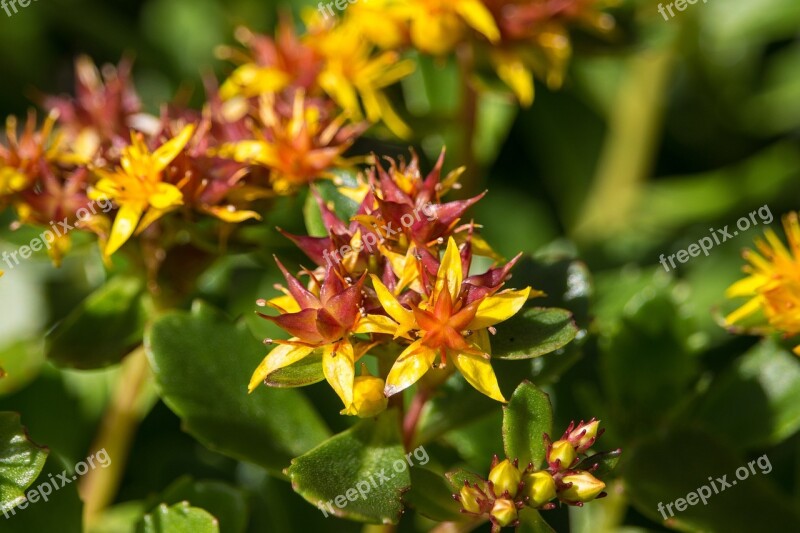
x=540 y=488
x=505 y=477
x=504 y=512
x=469 y=498
x=368 y=397
x=563 y=451
x=585 y=487
x=583 y=436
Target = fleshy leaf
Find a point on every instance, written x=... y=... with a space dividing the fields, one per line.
x=533 y=332
x=180 y=518
x=307 y=371
x=526 y=418
x=364 y=460
x=605 y=462
x=432 y=496
x=103 y=328
x=202 y=363
x=20 y=461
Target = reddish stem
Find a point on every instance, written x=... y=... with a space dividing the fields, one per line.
x=412 y=417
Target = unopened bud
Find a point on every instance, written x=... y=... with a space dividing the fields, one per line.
x=471 y=499
x=540 y=488
x=562 y=451
x=368 y=397
x=585 y=487
x=504 y=512
x=505 y=477
x=583 y=436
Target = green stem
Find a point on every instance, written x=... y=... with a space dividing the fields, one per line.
x=128 y=407
x=470 y=184
x=629 y=147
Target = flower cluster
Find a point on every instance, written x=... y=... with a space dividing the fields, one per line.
x=567 y=477
x=219 y=163
x=394 y=282
x=772 y=284
x=518 y=37
x=283 y=118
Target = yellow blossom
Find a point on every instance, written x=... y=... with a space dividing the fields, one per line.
x=137 y=187
x=773 y=283
x=445 y=325
x=353 y=76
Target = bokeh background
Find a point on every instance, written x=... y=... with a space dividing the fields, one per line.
x=659 y=133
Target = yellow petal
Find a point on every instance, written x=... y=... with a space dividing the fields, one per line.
x=234 y=216
x=376 y=324
x=250 y=152
x=479 y=17
x=252 y=80
x=502 y=306
x=746 y=287
x=281 y=356
x=124 y=225
x=285 y=304
x=411 y=365
x=338 y=365
x=449 y=269
x=168 y=151
x=401 y=315
x=744 y=311
x=479 y=373
x=517 y=76
x=165 y=196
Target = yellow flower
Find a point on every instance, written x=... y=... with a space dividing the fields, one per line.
x=447 y=326
x=298 y=148
x=352 y=72
x=321 y=319
x=137 y=187
x=436 y=26
x=773 y=284
x=379 y=21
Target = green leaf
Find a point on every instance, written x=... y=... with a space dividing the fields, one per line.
x=533 y=332
x=180 y=518
x=343 y=206
x=55 y=509
x=669 y=466
x=20 y=363
x=646 y=363
x=104 y=328
x=526 y=418
x=224 y=501
x=306 y=371
x=565 y=280
x=605 y=462
x=120 y=518
x=359 y=474
x=756 y=402
x=20 y=461
x=202 y=364
x=531 y=521
x=458 y=477
x=432 y=496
